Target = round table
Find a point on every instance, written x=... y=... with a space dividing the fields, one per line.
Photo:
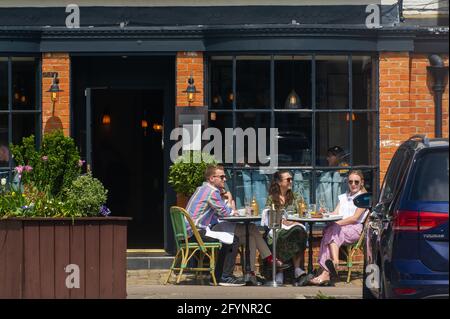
x=246 y=220
x=311 y=221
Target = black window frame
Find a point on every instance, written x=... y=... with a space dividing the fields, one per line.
x=35 y=110
x=314 y=168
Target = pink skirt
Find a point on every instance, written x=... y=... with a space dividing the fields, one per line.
x=341 y=235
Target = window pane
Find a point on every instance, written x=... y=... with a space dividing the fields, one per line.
x=362 y=82
x=4 y=145
x=253 y=82
x=332 y=129
x=293 y=74
x=332 y=82
x=221 y=121
x=294 y=138
x=253 y=121
x=23 y=125
x=302 y=184
x=24 y=83
x=364 y=142
x=3 y=83
x=250 y=184
x=221 y=95
x=330 y=184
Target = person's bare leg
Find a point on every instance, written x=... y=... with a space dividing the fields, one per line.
x=334 y=252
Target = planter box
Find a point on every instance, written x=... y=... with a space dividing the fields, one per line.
x=35 y=254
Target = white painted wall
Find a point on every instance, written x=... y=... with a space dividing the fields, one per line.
x=425 y=7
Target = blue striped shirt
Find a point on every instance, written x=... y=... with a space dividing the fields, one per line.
x=205 y=206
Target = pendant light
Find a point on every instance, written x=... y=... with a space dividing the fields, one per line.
x=293 y=100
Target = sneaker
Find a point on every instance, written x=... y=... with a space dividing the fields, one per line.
x=231 y=281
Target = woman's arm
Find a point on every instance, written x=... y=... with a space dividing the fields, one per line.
x=336 y=210
x=352 y=219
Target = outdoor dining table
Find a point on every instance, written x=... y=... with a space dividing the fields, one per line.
x=246 y=220
x=311 y=222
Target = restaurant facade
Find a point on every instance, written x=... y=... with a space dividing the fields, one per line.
x=324 y=75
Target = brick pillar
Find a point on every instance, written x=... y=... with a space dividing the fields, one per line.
x=59 y=117
x=394 y=105
x=189 y=63
x=406 y=102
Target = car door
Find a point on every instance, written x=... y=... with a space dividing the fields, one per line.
x=378 y=237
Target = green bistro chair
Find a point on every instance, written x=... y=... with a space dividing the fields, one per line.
x=350 y=250
x=187 y=247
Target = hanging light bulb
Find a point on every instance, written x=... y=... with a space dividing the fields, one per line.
x=347 y=117
x=157 y=127
x=144 y=124
x=293 y=100
x=106 y=119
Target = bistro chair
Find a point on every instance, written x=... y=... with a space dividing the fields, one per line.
x=187 y=247
x=349 y=252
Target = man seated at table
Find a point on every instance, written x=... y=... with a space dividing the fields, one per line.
x=206 y=206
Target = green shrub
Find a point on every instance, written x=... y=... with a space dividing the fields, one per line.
x=55 y=163
x=187 y=173
x=86 y=195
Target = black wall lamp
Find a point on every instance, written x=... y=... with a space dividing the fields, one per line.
x=439 y=74
x=191 y=90
x=54 y=90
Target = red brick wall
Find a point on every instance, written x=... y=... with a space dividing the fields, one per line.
x=406 y=102
x=189 y=63
x=59 y=118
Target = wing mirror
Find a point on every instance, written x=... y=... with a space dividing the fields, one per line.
x=363 y=200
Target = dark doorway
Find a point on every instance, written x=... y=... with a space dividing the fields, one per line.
x=127 y=156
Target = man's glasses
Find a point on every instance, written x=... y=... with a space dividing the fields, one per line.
x=220 y=176
x=354 y=182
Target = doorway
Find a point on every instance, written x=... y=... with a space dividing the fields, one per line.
x=127 y=156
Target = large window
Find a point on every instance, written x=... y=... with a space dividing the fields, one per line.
x=316 y=102
x=19 y=105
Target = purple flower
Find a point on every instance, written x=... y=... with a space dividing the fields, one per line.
x=81 y=163
x=104 y=210
x=28 y=168
x=45 y=158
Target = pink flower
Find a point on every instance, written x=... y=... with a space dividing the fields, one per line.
x=45 y=158
x=81 y=163
x=19 y=169
x=28 y=168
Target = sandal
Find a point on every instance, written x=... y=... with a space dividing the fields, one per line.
x=319 y=282
x=331 y=269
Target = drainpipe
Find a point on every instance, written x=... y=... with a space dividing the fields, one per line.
x=439 y=76
x=400 y=10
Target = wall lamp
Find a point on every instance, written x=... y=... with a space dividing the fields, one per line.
x=191 y=90
x=54 y=90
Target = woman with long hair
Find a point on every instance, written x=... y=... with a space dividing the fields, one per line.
x=291 y=239
x=345 y=231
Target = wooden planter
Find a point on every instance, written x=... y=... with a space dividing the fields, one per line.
x=34 y=254
x=182 y=200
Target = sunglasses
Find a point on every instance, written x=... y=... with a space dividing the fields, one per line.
x=289 y=179
x=220 y=176
x=354 y=182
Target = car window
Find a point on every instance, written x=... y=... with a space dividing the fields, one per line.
x=388 y=188
x=430 y=181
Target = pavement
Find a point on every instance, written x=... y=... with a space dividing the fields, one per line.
x=149 y=284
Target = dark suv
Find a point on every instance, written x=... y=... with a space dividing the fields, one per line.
x=407 y=231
